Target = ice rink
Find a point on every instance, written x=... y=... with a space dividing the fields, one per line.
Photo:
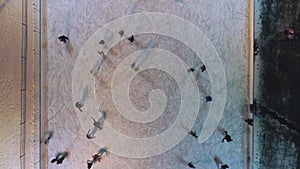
x=150 y=106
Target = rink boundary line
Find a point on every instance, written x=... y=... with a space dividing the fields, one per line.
x=23 y=85
x=251 y=81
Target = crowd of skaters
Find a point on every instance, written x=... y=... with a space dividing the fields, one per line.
x=60 y=156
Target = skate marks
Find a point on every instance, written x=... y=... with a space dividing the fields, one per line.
x=139 y=61
x=97 y=125
x=97 y=65
x=84 y=94
x=151 y=58
x=122 y=78
x=3 y=4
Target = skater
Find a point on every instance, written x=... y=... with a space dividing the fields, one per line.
x=89 y=164
x=63 y=39
x=59 y=158
x=191 y=69
x=224 y=166
x=134 y=67
x=97 y=125
x=249 y=121
x=79 y=105
x=227 y=137
x=131 y=38
x=101 y=42
x=96 y=158
x=191 y=165
x=208 y=98
x=193 y=133
x=49 y=135
x=121 y=33
x=203 y=68
x=196 y=67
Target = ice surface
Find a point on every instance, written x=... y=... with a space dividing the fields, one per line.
x=223 y=22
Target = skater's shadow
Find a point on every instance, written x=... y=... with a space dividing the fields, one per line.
x=185 y=127
x=182 y=160
x=71 y=50
x=217 y=161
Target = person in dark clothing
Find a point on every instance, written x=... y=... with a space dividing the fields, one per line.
x=97 y=157
x=63 y=39
x=131 y=38
x=101 y=42
x=191 y=165
x=49 y=135
x=89 y=164
x=191 y=70
x=224 y=166
x=59 y=158
x=79 y=105
x=196 y=67
x=203 y=68
x=193 y=133
x=121 y=33
x=208 y=98
x=249 y=121
x=227 y=137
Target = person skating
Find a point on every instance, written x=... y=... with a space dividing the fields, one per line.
x=97 y=125
x=121 y=33
x=196 y=67
x=79 y=105
x=191 y=69
x=208 y=98
x=49 y=135
x=191 y=165
x=63 y=39
x=224 y=166
x=249 y=121
x=193 y=133
x=203 y=68
x=90 y=163
x=59 y=158
x=227 y=137
x=96 y=157
x=101 y=42
x=131 y=38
